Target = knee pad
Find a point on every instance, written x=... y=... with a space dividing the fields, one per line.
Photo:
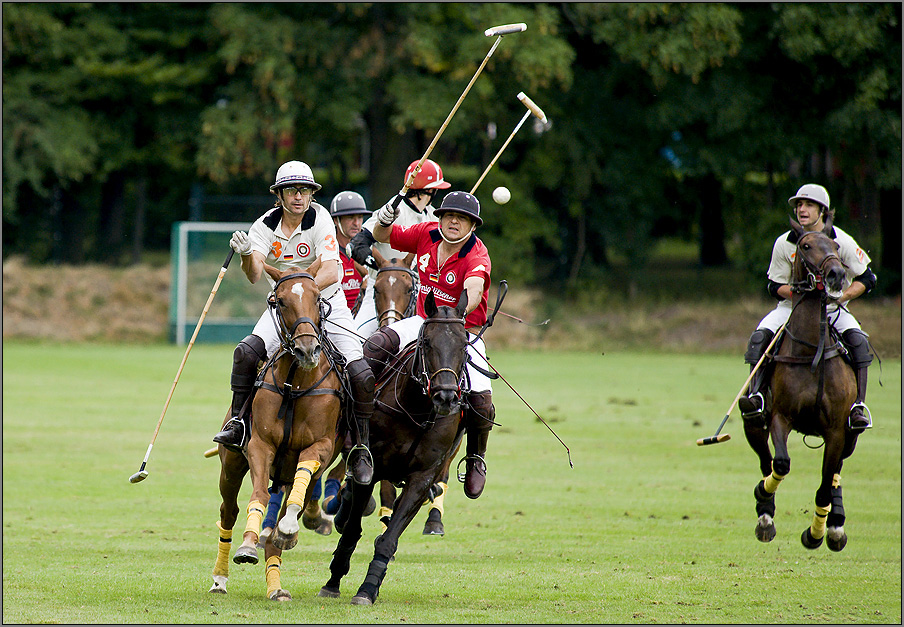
x=245 y=359
x=359 y=371
x=759 y=340
x=857 y=344
x=381 y=345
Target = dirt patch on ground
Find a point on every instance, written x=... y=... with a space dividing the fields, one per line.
x=99 y=303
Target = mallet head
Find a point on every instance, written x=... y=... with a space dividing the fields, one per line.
x=713 y=439
x=141 y=475
x=527 y=102
x=505 y=29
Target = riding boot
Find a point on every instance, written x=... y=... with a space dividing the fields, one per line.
x=360 y=461
x=479 y=417
x=857 y=344
x=379 y=348
x=753 y=404
x=248 y=354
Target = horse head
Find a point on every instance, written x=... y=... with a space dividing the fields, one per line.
x=816 y=262
x=395 y=291
x=443 y=346
x=295 y=301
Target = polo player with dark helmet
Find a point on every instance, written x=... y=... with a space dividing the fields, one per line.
x=450 y=260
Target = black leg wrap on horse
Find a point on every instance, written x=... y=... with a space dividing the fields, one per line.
x=479 y=417
x=245 y=361
x=360 y=461
x=836 y=514
x=379 y=348
x=376 y=572
x=765 y=502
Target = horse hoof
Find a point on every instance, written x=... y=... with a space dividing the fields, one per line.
x=836 y=538
x=434 y=529
x=807 y=539
x=311 y=523
x=262 y=538
x=325 y=528
x=245 y=555
x=329 y=593
x=361 y=600
x=280 y=595
x=219 y=585
x=284 y=542
x=765 y=529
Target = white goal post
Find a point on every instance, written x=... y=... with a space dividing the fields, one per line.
x=197 y=250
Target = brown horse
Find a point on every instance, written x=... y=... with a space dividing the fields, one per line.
x=813 y=388
x=294 y=432
x=414 y=429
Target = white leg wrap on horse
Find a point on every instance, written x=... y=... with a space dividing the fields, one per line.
x=219 y=584
x=288 y=525
x=303 y=473
x=818 y=527
x=771 y=482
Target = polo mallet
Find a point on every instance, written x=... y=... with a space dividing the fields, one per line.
x=531 y=108
x=496 y=31
x=142 y=473
x=716 y=438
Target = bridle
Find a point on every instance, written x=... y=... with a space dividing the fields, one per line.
x=391 y=313
x=287 y=336
x=814 y=277
x=424 y=377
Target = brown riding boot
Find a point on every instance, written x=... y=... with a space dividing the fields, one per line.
x=479 y=417
x=360 y=461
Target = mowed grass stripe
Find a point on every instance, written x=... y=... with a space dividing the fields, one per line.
x=647 y=527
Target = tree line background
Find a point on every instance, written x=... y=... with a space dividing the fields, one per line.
x=691 y=122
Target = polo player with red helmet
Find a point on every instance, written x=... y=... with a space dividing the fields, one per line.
x=416 y=207
x=450 y=260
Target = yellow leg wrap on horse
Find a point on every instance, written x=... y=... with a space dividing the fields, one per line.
x=771 y=482
x=303 y=473
x=255 y=516
x=836 y=480
x=818 y=527
x=221 y=568
x=439 y=501
x=384 y=511
x=273 y=580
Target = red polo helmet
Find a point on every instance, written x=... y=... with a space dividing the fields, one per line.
x=430 y=176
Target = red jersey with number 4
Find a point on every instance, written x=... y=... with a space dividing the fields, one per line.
x=351 y=280
x=447 y=283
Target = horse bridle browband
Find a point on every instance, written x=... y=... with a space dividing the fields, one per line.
x=412 y=299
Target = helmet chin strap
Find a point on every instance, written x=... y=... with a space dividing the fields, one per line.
x=457 y=241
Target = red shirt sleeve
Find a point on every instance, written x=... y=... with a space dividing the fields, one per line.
x=406 y=238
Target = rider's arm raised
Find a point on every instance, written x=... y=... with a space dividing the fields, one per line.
x=253 y=266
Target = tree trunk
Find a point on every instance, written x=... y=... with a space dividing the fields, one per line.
x=712 y=224
x=141 y=197
x=111 y=225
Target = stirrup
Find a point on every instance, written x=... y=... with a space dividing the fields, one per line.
x=224 y=433
x=463 y=475
x=352 y=461
x=866 y=414
x=752 y=412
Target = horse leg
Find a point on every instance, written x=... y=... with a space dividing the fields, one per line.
x=275 y=591
x=260 y=459
x=233 y=467
x=386 y=544
x=313 y=517
x=348 y=521
x=387 y=502
x=277 y=494
x=813 y=535
x=331 y=488
x=836 y=538
x=776 y=470
x=434 y=524
x=286 y=536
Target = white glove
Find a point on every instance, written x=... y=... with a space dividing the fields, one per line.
x=388 y=213
x=240 y=243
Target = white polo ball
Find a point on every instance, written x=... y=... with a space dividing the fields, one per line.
x=502 y=195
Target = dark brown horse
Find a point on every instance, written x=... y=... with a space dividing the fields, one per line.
x=813 y=388
x=415 y=427
x=294 y=431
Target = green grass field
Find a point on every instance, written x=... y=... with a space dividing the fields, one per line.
x=647 y=527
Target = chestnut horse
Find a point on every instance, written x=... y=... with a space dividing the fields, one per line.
x=415 y=427
x=294 y=430
x=813 y=388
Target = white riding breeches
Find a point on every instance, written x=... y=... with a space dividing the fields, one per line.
x=408 y=329
x=839 y=318
x=339 y=325
x=366 y=320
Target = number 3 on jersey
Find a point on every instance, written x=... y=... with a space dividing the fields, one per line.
x=330 y=243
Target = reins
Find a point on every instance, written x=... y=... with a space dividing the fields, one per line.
x=412 y=297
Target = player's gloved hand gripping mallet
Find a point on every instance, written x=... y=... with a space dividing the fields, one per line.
x=496 y=31
x=716 y=438
x=142 y=473
x=532 y=108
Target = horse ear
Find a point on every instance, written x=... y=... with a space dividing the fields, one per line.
x=828 y=227
x=273 y=272
x=462 y=305
x=796 y=227
x=430 y=305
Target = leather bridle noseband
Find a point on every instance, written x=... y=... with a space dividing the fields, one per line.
x=287 y=337
x=412 y=298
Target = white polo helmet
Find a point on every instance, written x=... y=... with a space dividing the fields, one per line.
x=294 y=173
x=811 y=191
